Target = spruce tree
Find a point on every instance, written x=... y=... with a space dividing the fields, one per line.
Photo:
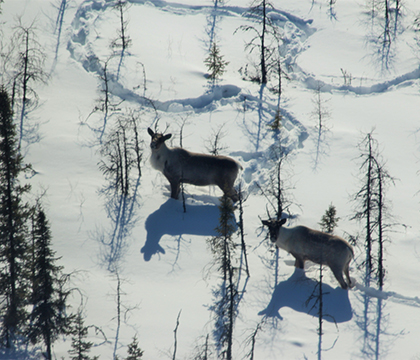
x=134 y=351
x=329 y=220
x=215 y=63
x=13 y=232
x=80 y=348
x=48 y=318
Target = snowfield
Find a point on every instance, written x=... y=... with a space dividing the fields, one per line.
x=160 y=251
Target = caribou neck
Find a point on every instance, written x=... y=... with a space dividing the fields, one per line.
x=159 y=157
x=284 y=237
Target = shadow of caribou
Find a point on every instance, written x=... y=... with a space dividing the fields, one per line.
x=170 y=219
x=295 y=293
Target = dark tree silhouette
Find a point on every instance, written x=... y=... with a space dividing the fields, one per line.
x=225 y=308
x=121 y=152
x=80 y=348
x=366 y=196
x=372 y=207
x=13 y=240
x=241 y=229
x=373 y=210
x=49 y=317
x=28 y=71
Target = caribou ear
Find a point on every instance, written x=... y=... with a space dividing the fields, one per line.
x=283 y=221
x=150 y=131
x=167 y=137
x=265 y=222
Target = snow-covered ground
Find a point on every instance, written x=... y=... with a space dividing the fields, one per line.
x=163 y=260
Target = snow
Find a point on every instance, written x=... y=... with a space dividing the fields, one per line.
x=165 y=263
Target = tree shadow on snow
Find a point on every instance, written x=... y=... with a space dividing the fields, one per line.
x=122 y=211
x=295 y=292
x=170 y=219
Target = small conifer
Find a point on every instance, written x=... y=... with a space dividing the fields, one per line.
x=215 y=63
x=329 y=220
x=80 y=348
x=48 y=316
x=275 y=125
x=134 y=351
x=13 y=240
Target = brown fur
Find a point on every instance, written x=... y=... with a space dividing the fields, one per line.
x=179 y=165
x=307 y=244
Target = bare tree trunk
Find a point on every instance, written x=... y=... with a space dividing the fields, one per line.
x=320 y=313
x=263 y=65
x=380 y=271
x=368 y=241
x=241 y=229
x=24 y=84
x=117 y=334
x=175 y=335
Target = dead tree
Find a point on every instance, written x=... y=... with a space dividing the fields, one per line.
x=241 y=230
x=266 y=38
x=176 y=335
x=28 y=70
x=321 y=114
x=372 y=207
x=121 y=161
x=365 y=196
x=225 y=307
x=123 y=41
x=105 y=103
x=214 y=145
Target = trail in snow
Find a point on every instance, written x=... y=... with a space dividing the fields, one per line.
x=296 y=31
x=313 y=84
x=263 y=107
x=389 y=295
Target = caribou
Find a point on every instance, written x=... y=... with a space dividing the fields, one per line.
x=319 y=247
x=183 y=166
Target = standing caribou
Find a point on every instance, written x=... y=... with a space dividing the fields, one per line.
x=307 y=244
x=179 y=165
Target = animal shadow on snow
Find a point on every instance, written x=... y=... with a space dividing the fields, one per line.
x=170 y=219
x=295 y=292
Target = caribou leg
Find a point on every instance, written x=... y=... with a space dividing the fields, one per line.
x=175 y=189
x=299 y=263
